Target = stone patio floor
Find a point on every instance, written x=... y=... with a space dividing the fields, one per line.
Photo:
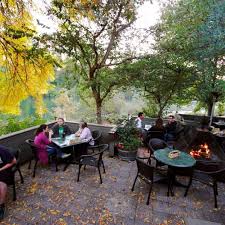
x=56 y=198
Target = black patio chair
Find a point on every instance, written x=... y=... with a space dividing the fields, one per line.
x=94 y=160
x=96 y=134
x=154 y=145
x=33 y=147
x=155 y=134
x=15 y=168
x=146 y=173
x=210 y=173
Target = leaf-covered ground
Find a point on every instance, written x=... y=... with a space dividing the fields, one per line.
x=57 y=198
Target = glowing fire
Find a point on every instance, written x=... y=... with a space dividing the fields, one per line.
x=203 y=151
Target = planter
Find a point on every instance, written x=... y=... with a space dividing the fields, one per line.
x=127 y=155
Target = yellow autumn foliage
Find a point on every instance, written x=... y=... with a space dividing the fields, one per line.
x=24 y=72
x=79 y=8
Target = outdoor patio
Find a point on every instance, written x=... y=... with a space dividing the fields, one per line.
x=56 y=198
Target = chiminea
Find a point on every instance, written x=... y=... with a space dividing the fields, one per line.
x=204 y=146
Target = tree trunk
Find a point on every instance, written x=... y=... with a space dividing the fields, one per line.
x=160 y=112
x=98 y=110
x=210 y=105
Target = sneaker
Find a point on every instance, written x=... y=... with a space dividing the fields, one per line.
x=64 y=155
x=2 y=212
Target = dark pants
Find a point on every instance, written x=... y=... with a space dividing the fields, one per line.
x=169 y=137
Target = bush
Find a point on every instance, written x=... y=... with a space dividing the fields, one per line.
x=13 y=123
x=128 y=137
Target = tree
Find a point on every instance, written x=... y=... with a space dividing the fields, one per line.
x=25 y=69
x=92 y=39
x=161 y=78
x=195 y=30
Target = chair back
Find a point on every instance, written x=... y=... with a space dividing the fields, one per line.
x=215 y=169
x=102 y=148
x=33 y=147
x=220 y=173
x=14 y=152
x=156 y=134
x=155 y=144
x=96 y=134
x=144 y=170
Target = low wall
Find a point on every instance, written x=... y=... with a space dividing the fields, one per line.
x=198 y=118
x=17 y=139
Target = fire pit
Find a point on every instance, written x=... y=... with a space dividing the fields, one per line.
x=204 y=146
x=201 y=152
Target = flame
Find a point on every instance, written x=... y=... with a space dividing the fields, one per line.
x=203 y=151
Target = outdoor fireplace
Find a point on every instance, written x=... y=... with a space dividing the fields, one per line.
x=201 y=152
x=204 y=146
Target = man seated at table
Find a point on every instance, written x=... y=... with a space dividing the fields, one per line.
x=140 y=126
x=84 y=133
x=170 y=127
x=60 y=128
x=7 y=160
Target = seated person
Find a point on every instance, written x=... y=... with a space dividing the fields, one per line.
x=85 y=133
x=159 y=128
x=7 y=160
x=179 y=118
x=60 y=128
x=43 y=138
x=204 y=124
x=140 y=125
x=170 y=129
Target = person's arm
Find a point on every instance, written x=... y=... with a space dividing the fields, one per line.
x=43 y=140
x=67 y=130
x=77 y=134
x=50 y=136
x=84 y=134
x=8 y=165
x=55 y=130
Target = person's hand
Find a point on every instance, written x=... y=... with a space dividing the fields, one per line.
x=77 y=134
x=50 y=133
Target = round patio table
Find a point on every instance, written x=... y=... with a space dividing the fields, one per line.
x=184 y=160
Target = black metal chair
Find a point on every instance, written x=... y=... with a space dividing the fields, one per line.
x=155 y=134
x=146 y=173
x=94 y=160
x=210 y=173
x=15 y=168
x=33 y=147
x=96 y=134
x=154 y=145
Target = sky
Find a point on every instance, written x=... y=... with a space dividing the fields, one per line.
x=148 y=14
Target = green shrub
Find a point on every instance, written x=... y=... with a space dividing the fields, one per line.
x=128 y=137
x=11 y=124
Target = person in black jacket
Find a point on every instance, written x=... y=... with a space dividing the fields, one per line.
x=60 y=126
x=158 y=130
x=170 y=129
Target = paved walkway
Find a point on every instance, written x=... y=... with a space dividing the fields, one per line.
x=56 y=198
